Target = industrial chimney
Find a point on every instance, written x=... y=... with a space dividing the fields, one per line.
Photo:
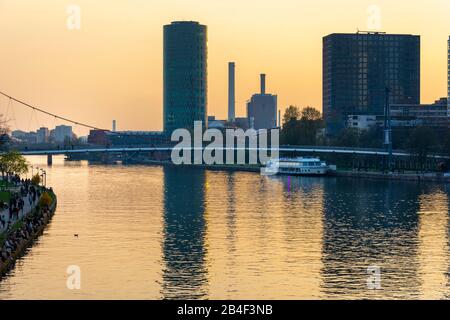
x=263 y=83
x=231 y=92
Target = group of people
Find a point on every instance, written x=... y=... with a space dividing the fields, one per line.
x=14 y=179
x=17 y=239
x=26 y=191
x=16 y=203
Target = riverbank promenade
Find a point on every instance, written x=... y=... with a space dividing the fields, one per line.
x=18 y=199
x=26 y=208
x=7 y=220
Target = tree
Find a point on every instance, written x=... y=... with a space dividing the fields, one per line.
x=36 y=179
x=310 y=123
x=371 y=138
x=349 y=137
x=289 y=131
x=301 y=128
x=421 y=142
x=46 y=200
x=311 y=114
x=291 y=114
x=13 y=162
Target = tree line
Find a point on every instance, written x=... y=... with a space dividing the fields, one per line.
x=306 y=127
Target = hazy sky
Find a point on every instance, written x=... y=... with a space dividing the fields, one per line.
x=112 y=67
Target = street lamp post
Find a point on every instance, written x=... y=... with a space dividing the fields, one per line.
x=42 y=176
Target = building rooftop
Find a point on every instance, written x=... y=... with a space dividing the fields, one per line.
x=184 y=23
x=135 y=133
x=371 y=33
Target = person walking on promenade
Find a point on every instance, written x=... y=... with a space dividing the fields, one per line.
x=10 y=211
x=21 y=205
x=16 y=213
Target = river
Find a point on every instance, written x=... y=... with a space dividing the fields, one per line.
x=153 y=232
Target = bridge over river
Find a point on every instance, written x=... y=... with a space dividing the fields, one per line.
x=288 y=150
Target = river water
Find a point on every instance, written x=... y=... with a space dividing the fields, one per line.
x=171 y=233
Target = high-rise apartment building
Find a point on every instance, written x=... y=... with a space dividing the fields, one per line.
x=357 y=69
x=42 y=135
x=62 y=134
x=448 y=81
x=185 y=75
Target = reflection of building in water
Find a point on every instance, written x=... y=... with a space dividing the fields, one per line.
x=222 y=209
x=231 y=216
x=262 y=242
x=222 y=237
x=447 y=191
x=184 y=276
x=433 y=243
x=376 y=227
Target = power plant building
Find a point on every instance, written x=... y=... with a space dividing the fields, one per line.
x=262 y=109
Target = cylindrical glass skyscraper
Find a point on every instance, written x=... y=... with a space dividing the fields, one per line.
x=448 y=82
x=185 y=75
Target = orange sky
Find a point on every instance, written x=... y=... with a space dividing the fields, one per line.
x=112 y=67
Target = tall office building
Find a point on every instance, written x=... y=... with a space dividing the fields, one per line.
x=231 y=92
x=185 y=75
x=448 y=81
x=42 y=135
x=62 y=133
x=262 y=109
x=357 y=69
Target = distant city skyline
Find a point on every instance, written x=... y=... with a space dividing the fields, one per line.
x=44 y=135
x=112 y=67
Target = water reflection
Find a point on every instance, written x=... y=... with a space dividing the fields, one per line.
x=433 y=242
x=301 y=208
x=184 y=274
x=382 y=226
x=174 y=233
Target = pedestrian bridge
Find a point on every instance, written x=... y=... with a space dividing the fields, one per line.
x=284 y=149
x=337 y=150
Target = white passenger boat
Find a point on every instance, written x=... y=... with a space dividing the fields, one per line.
x=296 y=166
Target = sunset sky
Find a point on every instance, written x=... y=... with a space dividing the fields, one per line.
x=112 y=67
